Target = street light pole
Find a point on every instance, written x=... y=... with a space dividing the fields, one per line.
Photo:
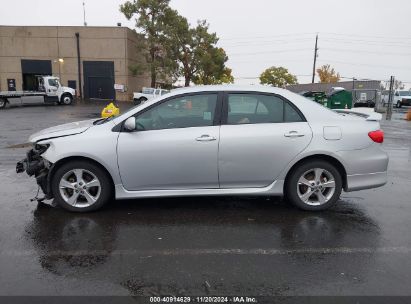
x=59 y=71
x=61 y=61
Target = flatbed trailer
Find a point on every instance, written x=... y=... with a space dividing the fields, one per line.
x=51 y=92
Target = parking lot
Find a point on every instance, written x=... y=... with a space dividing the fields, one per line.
x=249 y=246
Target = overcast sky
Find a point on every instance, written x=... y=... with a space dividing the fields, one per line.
x=361 y=38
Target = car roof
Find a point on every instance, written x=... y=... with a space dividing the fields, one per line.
x=229 y=87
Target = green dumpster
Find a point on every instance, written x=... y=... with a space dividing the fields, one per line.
x=339 y=99
x=316 y=96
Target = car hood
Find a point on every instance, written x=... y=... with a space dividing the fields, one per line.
x=70 y=90
x=67 y=129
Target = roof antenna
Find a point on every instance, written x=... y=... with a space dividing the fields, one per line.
x=84 y=13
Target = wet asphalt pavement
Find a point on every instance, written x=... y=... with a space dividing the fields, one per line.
x=201 y=246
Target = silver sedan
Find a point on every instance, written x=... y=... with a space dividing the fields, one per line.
x=211 y=140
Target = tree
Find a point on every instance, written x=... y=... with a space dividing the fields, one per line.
x=152 y=18
x=194 y=48
x=398 y=85
x=328 y=74
x=182 y=47
x=174 y=48
x=212 y=69
x=277 y=77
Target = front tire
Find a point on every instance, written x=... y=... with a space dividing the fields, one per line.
x=314 y=185
x=66 y=99
x=3 y=103
x=398 y=104
x=81 y=186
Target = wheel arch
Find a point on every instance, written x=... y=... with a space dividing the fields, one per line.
x=65 y=94
x=324 y=157
x=65 y=160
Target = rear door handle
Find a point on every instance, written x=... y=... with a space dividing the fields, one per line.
x=206 y=138
x=293 y=134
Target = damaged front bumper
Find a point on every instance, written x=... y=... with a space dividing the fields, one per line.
x=37 y=166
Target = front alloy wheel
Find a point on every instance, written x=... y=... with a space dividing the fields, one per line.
x=81 y=186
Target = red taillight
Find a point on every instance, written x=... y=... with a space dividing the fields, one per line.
x=377 y=136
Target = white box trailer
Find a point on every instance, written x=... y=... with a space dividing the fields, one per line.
x=49 y=91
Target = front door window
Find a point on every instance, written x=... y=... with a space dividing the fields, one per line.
x=180 y=112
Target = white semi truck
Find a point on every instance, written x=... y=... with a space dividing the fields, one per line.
x=49 y=90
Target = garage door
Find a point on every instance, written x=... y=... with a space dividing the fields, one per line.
x=32 y=68
x=99 y=79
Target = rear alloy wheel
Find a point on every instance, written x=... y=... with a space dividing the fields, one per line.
x=81 y=187
x=314 y=186
x=66 y=99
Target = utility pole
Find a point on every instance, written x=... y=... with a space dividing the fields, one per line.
x=390 y=97
x=315 y=56
x=84 y=13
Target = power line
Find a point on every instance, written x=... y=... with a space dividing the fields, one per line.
x=328 y=35
x=323 y=48
x=367 y=36
x=266 y=36
x=268 y=52
x=367 y=65
x=265 y=42
x=366 y=52
x=365 y=42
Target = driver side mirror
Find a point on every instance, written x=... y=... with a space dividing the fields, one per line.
x=130 y=124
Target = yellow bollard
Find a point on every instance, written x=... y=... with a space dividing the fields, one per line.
x=110 y=110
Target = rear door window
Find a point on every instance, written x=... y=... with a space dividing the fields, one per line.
x=259 y=108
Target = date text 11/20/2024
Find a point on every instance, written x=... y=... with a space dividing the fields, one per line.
x=232 y=299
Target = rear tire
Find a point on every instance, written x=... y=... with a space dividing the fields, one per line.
x=314 y=185
x=81 y=186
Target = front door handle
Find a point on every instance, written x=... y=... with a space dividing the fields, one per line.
x=206 y=138
x=293 y=134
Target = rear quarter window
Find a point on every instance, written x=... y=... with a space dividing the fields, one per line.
x=291 y=114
